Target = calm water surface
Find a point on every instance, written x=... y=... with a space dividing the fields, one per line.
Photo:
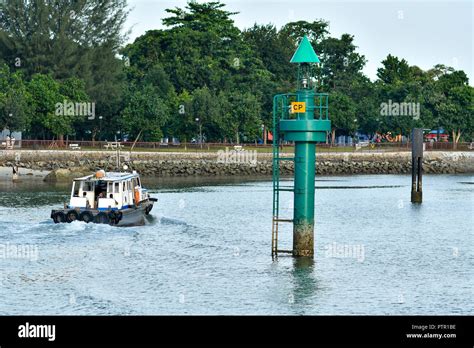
x=206 y=250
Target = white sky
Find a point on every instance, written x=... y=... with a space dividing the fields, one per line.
x=425 y=33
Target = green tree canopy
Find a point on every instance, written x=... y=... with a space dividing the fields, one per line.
x=67 y=39
x=145 y=113
x=15 y=101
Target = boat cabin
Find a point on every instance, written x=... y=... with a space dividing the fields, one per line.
x=105 y=191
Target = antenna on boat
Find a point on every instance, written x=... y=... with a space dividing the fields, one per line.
x=118 y=158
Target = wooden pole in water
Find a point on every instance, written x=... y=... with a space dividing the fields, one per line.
x=416 y=165
x=15 y=172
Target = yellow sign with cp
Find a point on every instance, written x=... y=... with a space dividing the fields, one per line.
x=298 y=107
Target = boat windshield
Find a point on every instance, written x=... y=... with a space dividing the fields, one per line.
x=75 y=188
x=87 y=186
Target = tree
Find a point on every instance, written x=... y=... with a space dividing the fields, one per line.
x=452 y=102
x=456 y=111
x=199 y=66
x=15 y=101
x=241 y=115
x=201 y=47
x=342 y=114
x=68 y=39
x=45 y=92
x=181 y=122
x=202 y=17
x=401 y=83
x=394 y=70
x=274 y=49
x=74 y=90
x=201 y=53
x=364 y=95
x=205 y=110
x=340 y=63
x=145 y=113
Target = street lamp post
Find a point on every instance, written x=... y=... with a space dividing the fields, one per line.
x=200 y=130
x=100 y=127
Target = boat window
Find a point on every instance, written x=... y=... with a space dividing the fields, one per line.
x=124 y=186
x=117 y=187
x=130 y=187
x=86 y=186
x=110 y=187
x=75 y=189
x=138 y=182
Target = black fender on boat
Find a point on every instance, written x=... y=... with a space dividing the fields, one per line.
x=72 y=215
x=111 y=217
x=58 y=217
x=101 y=218
x=114 y=216
x=86 y=216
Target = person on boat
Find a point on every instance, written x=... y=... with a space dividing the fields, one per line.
x=111 y=196
x=100 y=195
x=84 y=194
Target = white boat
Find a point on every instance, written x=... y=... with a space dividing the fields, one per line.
x=114 y=198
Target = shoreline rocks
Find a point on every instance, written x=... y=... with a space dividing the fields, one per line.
x=66 y=175
x=65 y=165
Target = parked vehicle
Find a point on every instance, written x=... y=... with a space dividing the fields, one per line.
x=432 y=136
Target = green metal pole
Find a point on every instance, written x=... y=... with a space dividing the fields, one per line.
x=303 y=219
x=305 y=156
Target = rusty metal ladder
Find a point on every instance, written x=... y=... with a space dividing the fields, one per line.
x=276 y=194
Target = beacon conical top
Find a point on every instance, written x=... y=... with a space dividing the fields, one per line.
x=305 y=53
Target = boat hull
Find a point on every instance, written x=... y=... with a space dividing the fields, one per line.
x=133 y=216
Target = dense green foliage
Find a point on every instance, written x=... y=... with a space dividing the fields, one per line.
x=200 y=75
